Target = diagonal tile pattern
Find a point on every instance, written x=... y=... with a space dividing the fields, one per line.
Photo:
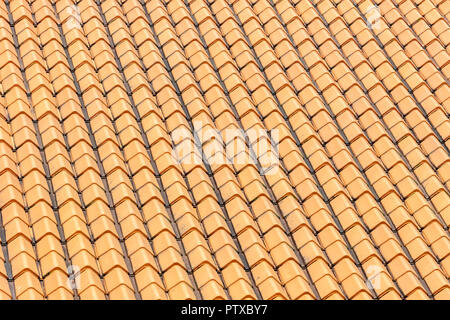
x=224 y=149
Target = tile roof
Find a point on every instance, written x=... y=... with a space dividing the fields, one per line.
x=260 y=149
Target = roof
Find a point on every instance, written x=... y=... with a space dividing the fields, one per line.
x=212 y=149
